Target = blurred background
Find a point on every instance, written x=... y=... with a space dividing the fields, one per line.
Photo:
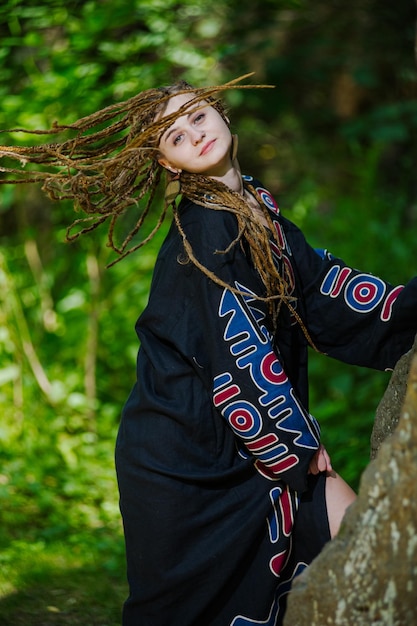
x=335 y=141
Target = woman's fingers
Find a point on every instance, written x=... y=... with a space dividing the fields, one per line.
x=320 y=462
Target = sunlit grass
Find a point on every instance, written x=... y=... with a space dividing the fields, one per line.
x=76 y=582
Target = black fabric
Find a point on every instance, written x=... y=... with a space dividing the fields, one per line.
x=216 y=437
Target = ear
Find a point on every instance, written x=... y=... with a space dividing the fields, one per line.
x=167 y=165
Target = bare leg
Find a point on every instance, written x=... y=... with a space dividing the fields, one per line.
x=338 y=497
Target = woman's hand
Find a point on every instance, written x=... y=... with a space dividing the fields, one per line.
x=320 y=462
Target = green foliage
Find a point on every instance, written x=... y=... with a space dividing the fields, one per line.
x=69 y=59
x=58 y=491
x=74 y=582
x=334 y=142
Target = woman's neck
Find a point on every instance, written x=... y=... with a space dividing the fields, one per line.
x=232 y=178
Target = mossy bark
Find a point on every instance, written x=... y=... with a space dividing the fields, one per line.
x=367 y=576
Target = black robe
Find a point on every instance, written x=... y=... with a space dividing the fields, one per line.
x=216 y=437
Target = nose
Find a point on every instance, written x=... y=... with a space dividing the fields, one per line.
x=198 y=136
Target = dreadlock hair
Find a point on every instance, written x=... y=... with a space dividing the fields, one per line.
x=111 y=165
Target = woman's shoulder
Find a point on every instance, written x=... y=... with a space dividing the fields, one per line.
x=269 y=200
x=264 y=195
x=207 y=225
x=191 y=211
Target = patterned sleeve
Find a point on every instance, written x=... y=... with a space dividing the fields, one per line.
x=354 y=316
x=351 y=315
x=255 y=396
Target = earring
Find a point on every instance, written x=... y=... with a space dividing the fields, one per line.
x=234 y=147
x=172 y=189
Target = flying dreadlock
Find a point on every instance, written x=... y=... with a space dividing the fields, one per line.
x=111 y=165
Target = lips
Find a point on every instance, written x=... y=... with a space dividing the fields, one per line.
x=207 y=146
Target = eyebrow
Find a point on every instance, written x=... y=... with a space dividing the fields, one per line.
x=175 y=128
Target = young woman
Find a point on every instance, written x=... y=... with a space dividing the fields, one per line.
x=226 y=492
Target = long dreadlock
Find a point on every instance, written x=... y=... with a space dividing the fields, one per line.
x=111 y=165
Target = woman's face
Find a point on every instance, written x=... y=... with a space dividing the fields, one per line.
x=198 y=142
